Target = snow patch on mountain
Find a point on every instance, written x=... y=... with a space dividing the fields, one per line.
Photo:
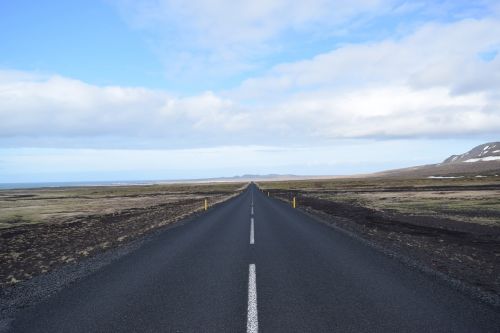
x=489 y=158
x=482 y=153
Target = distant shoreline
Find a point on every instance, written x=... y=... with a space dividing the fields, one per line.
x=245 y=178
x=14 y=186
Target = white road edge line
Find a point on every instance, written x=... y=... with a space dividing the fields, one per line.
x=252 y=239
x=252 y=320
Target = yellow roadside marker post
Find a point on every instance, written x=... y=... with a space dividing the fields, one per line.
x=294 y=203
x=206 y=204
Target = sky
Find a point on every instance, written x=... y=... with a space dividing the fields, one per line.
x=165 y=89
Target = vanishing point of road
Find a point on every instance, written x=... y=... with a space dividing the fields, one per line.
x=255 y=264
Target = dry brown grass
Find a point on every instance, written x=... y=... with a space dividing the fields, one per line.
x=472 y=199
x=32 y=206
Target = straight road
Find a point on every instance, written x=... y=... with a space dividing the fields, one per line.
x=255 y=264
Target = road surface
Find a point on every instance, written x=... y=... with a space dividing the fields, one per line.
x=255 y=264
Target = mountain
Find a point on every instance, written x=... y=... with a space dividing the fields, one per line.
x=479 y=161
x=482 y=153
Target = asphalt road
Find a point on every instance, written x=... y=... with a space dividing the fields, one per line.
x=275 y=270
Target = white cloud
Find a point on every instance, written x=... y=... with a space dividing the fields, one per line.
x=434 y=55
x=219 y=38
x=204 y=39
x=40 y=106
x=431 y=83
x=388 y=112
x=216 y=23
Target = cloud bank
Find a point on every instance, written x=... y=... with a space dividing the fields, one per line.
x=441 y=80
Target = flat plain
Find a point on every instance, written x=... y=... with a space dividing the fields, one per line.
x=42 y=229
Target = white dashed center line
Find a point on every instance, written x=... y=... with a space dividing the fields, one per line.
x=252 y=320
x=252 y=238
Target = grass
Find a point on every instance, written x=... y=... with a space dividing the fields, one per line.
x=32 y=206
x=467 y=199
x=376 y=183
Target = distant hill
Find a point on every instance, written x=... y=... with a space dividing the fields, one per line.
x=269 y=177
x=482 y=153
x=481 y=160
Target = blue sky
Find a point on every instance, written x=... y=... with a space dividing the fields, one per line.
x=165 y=89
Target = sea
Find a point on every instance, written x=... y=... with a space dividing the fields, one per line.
x=10 y=186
